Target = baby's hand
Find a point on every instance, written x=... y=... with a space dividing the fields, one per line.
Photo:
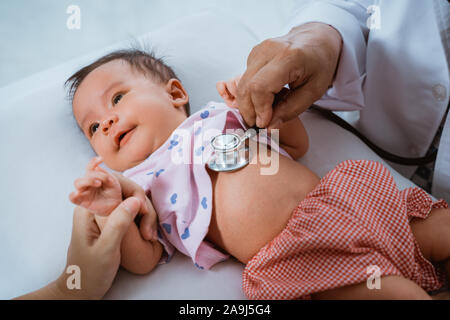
x=98 y=191
x=228 y=91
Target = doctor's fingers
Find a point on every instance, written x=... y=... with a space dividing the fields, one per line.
x=293 y=104
x=118 y=223
x=84 y=229
x=260 y=55
x=278 y=53
x=269 y=81
x=147 y=227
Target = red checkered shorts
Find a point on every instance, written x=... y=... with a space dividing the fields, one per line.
x=354 y=219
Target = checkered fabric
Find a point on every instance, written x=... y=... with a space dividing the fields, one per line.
x=354 y=219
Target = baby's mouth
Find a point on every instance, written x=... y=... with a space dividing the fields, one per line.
x=123 y=137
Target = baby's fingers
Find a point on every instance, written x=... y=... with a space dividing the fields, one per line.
x=87 y=182
x=73 y=197
x=221 y=89
x=77 y=197
x=92 y=179
x=226 y=95
x=93 y=164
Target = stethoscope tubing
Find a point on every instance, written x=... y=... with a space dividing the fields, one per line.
x=431 y=157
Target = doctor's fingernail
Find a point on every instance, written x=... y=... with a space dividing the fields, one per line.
x=131 y=204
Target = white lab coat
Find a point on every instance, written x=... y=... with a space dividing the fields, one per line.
x=395 y=73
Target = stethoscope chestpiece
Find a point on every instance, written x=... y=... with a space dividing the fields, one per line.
x=230 y=152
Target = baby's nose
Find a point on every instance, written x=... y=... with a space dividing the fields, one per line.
x=106 y=124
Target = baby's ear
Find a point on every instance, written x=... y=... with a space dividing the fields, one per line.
x=177 y=92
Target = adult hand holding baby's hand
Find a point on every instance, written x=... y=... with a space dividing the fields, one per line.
x=101 y=192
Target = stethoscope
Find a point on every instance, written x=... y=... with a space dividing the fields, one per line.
x=230 y=152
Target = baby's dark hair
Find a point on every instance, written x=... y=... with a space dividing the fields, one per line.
x=140 y=60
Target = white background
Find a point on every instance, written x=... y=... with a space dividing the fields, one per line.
x=35 y=37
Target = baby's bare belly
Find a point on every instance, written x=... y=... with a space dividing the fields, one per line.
x=250 y=209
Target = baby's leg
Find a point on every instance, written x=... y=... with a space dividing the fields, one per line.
x=391 y=288
x=433 y=236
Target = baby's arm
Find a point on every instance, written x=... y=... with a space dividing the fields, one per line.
x=293 y=136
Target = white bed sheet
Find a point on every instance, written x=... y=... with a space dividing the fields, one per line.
x=43 y=152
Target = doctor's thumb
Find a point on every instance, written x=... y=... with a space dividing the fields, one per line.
x=132 y=205
x=119 y=222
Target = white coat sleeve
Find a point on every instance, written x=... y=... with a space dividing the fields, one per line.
x=349 y=18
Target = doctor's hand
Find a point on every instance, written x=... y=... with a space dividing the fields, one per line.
x=95 y=253
x=305 y=59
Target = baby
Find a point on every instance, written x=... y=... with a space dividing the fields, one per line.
x=299 y=236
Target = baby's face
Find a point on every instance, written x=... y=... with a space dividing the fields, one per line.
x=126 y=115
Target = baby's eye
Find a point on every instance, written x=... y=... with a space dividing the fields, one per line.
x=117 y=98
x=93 y=128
